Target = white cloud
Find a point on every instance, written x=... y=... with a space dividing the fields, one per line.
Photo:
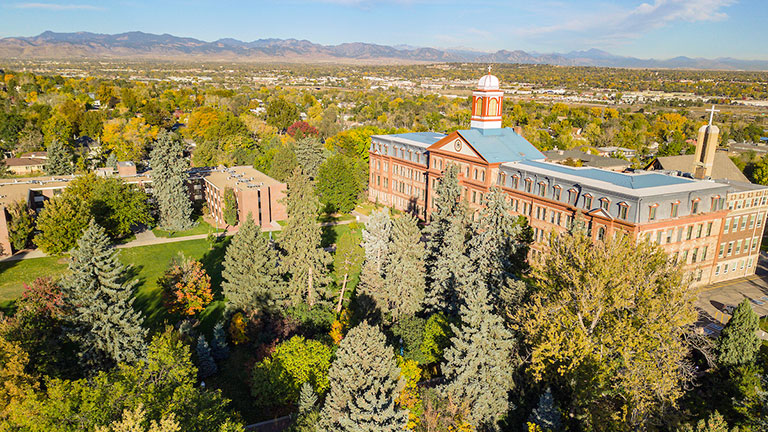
x=611 y=23
x=55 y=6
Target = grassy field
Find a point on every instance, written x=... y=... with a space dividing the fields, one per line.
x=202 y=227
x=147 y=265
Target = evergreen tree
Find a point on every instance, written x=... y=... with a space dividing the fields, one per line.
x=308 y=416
x=59 y=159
x=111 y=161
x=336 y=188
x=251 y=277
x=169 y=183
x=546 y=415
x=230 y=207
x=447 y=262
x=100 y=303
x=403 y=288
x=305 y=261
x=498 y=248
x=219 y=347
x=480 y=363
x=283 y=163
x=738 y=343
x=364 y=385
x=205 y=364
x=376 y=238
x=310 y=154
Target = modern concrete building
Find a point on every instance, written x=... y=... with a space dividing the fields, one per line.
x=693 y=219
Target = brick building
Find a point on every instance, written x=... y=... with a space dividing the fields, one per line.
x=256 y=193
x=713 y=226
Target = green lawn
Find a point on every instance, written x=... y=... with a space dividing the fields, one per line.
x=147 y=265
x=202 y=227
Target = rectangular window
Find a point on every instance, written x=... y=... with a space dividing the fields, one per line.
x=528 y=186
x=669 y=235
x=695 y=207
x=735 y=224
x=604 y=204
x=727 y=226
x=749 y=263
x=730 y=248
x=684 y=257
x=722 y=250
x=738 y=247
x=754 y=243
x=556 y=193
x=623 y=212
x=704 y=253
x=652 y=213
x=725 y=269
x=751 y=221
x=689 y=232
x=743 y=222
x=587 y=202
x=760 y=219
x=699 y=227
x=694 y=254
x=709 y=229
x=675 y=206
x=658 y=237
x=717 y=270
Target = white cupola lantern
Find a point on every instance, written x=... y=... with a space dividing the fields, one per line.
x=486 y=103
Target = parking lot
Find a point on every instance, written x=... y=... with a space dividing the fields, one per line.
x=716 y=302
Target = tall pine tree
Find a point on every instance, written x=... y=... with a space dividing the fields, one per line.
x=738 y=343
x=100 y=303
x=448 y=266
x=403 y=288
x=310 y=154
x=169 y=183
x=499 y=246
x=376 y=238
x=59 y=159
x=251 y=277
x=364 y=385
x=305 y=260
x=480 y=362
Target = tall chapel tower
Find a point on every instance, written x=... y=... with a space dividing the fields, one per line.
x=706 y=145
x=486 y=103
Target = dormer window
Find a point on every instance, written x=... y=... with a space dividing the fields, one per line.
x=652 y=212
x=695 y=206
x=623 y=208
x=542 y=189
x=572 y=195
x=528 y=185
x=515 y=181
x=675 y=208
x=605 y=203
x=556 y=191
x=587 y=201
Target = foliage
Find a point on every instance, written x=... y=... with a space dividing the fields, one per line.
x=546 y=415
x=365 y=383
x=376 y=238
x=219 y=347
x=407 y=337
x=480 y=362
x=59 y=159
x=186 y=287
x=278 y=379
x=169 y=176
x=714 y=423
x=163 y=384
x=337 y=188
x=238 y=329
x=354 y=142
x=738 y=343
x=409 y=397
x=21 y=225
x=133 y=421
x=437 y=337
x=15 y=382
x=304 y=260
x=61 y=223
x=230 y=207
x=309 y=415
x=301 y=129
x=281 y=113
x=610 y=319
x=128 y=139
x=310 y=155
x=447 y=264
x=283 y=163
x=252 y=280
x=205 y=364
x=99 y=303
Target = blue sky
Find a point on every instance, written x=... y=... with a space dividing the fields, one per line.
x=650 y=28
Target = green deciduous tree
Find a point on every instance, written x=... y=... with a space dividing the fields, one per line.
x=337 y=187
x=21 y=226
x=305 y=261
x=251 y=277
x=480 y=362
x=100 y=303
x=610 y=319
x=134 y=421
x=278 y=379
x=169 y=183
x=347 y=259
x=281 y=114
x=61 y=223
x=738 y=343
x=283 y=163
x=714 y=423
x=365 y=383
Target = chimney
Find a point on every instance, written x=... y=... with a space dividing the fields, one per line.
x=706 y=145
x=518 y=130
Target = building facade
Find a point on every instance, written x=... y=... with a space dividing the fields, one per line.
x=714 y=227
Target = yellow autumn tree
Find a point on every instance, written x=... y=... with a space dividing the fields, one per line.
x=129 y=140
x=610 y=319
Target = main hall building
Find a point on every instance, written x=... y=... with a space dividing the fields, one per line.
x=713 y=226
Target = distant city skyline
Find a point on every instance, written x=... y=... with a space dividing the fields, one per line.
x=651 y=29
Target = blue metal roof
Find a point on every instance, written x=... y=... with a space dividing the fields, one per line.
x=632 y=181
x=428 y=138
x=501 y=145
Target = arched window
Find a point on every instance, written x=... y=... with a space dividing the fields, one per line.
x=493 y=107
x=601 y=234
x=479 y=106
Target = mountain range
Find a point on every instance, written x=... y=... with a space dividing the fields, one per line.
x=147 y=46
